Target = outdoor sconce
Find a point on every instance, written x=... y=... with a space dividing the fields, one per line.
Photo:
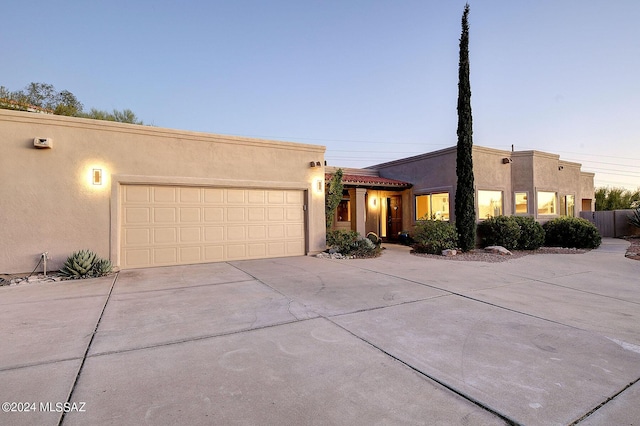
x=507 y=160
x=96 y=178
x=318 y=186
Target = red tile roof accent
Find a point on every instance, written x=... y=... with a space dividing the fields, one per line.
x=370 y=181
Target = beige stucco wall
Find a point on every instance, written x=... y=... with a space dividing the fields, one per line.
x=49 y=204
x=528 y=171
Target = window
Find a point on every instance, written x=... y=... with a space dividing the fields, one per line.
x=432 y=206
x=343 y=211
x=489 y=204
x=522 y=206
x=546 y=203
x=568 y=205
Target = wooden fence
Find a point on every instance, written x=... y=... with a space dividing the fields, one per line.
x=613 y=223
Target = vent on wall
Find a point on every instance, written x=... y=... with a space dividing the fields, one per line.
x=506 y=160
x=43 y=143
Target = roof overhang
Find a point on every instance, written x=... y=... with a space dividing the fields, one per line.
x=371 y=182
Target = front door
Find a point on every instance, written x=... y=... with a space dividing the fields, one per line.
x=394 y=216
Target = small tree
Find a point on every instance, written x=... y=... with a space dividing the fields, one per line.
x=465 y=203
x=333 y=197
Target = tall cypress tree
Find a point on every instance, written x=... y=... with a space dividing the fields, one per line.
x=464 y=204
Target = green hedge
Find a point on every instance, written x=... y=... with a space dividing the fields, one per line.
x=511 y=232
x=434 y=236
x=573 y=232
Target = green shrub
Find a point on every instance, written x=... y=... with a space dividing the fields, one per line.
x=434 y=236
x=634 y=218
x=573 y=232
x=499 y=231
x=85 y=264
x=531 y=233
x=350 y=243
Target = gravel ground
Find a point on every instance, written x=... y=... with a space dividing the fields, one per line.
x=633 y=252
x=480 y=255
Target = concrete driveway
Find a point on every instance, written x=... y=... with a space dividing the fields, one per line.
x=545 y=339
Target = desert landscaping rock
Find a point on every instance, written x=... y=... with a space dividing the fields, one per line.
x=498 y=250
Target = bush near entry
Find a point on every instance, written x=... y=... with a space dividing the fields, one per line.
x=351 y=243
x=573 y=232
x=434 y=236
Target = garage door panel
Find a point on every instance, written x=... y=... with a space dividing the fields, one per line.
x=134 y=215
x=235 y=196
x=165 y=235
x=190 y=254
x=190 y=214
x=257 y=232
x=214 y=253
x=171 y=225
x=137 y=257
x=163 y=194
x=256 y=214
x=236 y=251
x=275 y=197
x=137 y=194
x=190 y=195
x=275 y=214
x=235 y=214
x=164 y=215
x=256 y=196
x=276 y=231
x=213 y=214
x=236 y=233
x=133 y=237
x=293 y=215
x=213 y=233
x=294 y=197
x=295 y=231
x=190 y=235
x=165 y=256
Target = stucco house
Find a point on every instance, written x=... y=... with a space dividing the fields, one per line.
x=146 y=196
x=389 y=198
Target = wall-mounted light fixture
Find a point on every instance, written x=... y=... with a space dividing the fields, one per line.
x=96 y=176
x=373 y=202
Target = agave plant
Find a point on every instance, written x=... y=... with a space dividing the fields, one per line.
x=86 y=264
x=634 y=218
x=101 y=267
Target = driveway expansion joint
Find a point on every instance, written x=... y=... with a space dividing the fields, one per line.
x=605 y=402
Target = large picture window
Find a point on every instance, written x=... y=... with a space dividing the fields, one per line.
x=521 y=203
x=489 y=204
x=547 y=203
x=432 y=206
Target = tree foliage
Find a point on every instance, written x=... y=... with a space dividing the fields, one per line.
x=333 y=197
x=44 y=97
x=464 y=202
x=616 y=199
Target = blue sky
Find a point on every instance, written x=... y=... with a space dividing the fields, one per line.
x=371 y=80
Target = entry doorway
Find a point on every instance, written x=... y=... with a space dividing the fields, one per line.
x=394 y=217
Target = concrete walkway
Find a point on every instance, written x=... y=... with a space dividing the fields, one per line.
x=540 y=340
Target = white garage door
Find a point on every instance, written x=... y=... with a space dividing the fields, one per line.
x=175 y=225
